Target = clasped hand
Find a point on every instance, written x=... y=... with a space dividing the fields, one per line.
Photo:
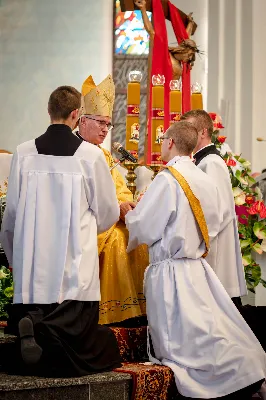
x=125 y=207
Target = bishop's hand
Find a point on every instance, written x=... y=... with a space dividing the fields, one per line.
x=125 y=207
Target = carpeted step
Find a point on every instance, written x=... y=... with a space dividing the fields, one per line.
x=150 y=382
x=132 y=343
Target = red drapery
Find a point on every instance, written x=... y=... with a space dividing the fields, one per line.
x=161 y=63
x=181 y=34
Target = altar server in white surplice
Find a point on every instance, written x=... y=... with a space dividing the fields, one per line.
x=225 y=254
x=60 y=197
x=195 y=328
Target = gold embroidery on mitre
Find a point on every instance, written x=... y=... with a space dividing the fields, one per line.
x=98 y=100
x=195 y=207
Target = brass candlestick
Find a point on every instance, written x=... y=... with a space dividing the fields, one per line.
x=155 y=169
x=131 y=176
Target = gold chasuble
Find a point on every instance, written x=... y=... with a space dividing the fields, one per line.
x=121 y=273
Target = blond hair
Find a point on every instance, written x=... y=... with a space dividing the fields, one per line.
x=184 y=136
x=201 y=120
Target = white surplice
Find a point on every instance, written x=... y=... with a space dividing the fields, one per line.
x=56 y=206
x=225 y=254
x=196 y=329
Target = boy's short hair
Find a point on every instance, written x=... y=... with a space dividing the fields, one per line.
x=63 y=101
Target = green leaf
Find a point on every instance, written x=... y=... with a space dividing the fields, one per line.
x=9 y=292
x=256 y=272
x=245 y=243
x=252 y=290
x=246 y=164
x=259 y=230
x=246 y=258
x=251 y=181
x=243 y=180
x=263 y=282
x=257 y=248
x=238 y=174
x=253 y=273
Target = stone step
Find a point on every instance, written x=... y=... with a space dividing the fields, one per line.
x=104 y=386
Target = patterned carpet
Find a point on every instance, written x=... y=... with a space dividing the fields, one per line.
x=150 y=382
x=132 y=343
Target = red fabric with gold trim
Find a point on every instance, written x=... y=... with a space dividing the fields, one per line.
x=175 y=117
x=150 y=382
x=132 y=343
x=157 y=113
x=156 y=158
x=132 y=110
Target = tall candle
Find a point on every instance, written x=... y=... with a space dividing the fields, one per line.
x=175 y=101
x=132 y=118
x=196 y=97
x=157 y=122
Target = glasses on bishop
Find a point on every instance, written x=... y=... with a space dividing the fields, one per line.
x=102 y=123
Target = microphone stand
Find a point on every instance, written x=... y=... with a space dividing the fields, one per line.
x=130 y=176
x=122 y=159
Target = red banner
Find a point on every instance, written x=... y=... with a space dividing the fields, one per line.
x=181 y=34
x=161 y=65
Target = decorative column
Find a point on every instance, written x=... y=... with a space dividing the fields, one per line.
x=132 y=126
x=132 y=119
x=157 y=120
x=196 y=97
x=175 y=101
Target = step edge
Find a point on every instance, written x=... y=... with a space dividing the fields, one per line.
x=47 y=383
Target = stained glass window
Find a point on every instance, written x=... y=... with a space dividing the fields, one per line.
x=130 y=35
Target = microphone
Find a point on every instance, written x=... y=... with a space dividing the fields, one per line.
x=126 y=154
x=260 y=139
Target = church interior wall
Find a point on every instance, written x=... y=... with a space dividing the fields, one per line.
x=236 y=65
x=45 y=44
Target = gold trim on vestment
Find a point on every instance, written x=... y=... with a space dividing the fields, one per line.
x=195 y=207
